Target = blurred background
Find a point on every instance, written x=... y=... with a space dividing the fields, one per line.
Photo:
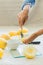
x=10 y=8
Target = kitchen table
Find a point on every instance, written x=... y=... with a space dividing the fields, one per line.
x=9 y=60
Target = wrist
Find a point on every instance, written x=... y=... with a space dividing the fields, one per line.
x=26 y=8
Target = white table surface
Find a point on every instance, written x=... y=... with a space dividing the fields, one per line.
x=9 y=60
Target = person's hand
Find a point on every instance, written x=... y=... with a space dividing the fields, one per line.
x=23 y=16
x=25 y=40
x=33 y=36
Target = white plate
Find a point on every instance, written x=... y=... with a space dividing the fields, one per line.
x=38 y=47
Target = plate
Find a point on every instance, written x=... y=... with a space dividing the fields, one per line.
x=18 y=53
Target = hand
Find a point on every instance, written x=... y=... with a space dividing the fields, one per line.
x=25 y=41
x=33 y=36
x=23 y=16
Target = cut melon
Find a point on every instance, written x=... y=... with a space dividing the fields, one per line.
x=3 y=43
x=29 y=52
x=12 y=34
x=23 y=31
x=5 y=36
x=1 y=53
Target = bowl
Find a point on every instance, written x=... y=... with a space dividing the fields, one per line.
x=13 y=43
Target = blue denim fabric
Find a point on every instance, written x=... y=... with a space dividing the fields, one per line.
x=31 y=2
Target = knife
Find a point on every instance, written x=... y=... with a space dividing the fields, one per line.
x=35 y=42
x=21 y=33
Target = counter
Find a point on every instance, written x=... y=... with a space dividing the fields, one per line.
x=9 y=60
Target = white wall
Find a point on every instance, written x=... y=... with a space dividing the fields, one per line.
x=10 y=8
x=8 y=11
x=36 y=16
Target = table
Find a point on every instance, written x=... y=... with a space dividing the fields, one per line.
x=9 y=60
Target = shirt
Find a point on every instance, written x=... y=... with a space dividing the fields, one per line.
x=30 y=2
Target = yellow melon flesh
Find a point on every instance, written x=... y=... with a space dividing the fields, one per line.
x=23 y=31
x=5 y=36
x=22 y=39
x=12 y=34
x=29 y=52
x=1 y=53
x=3 y=43
x=18 y=32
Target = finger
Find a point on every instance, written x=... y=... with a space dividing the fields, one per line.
x=25 y=19
x=25 y=41
x=19 y=20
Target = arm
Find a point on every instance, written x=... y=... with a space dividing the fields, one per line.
x=33 y=36
x=23 y=15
